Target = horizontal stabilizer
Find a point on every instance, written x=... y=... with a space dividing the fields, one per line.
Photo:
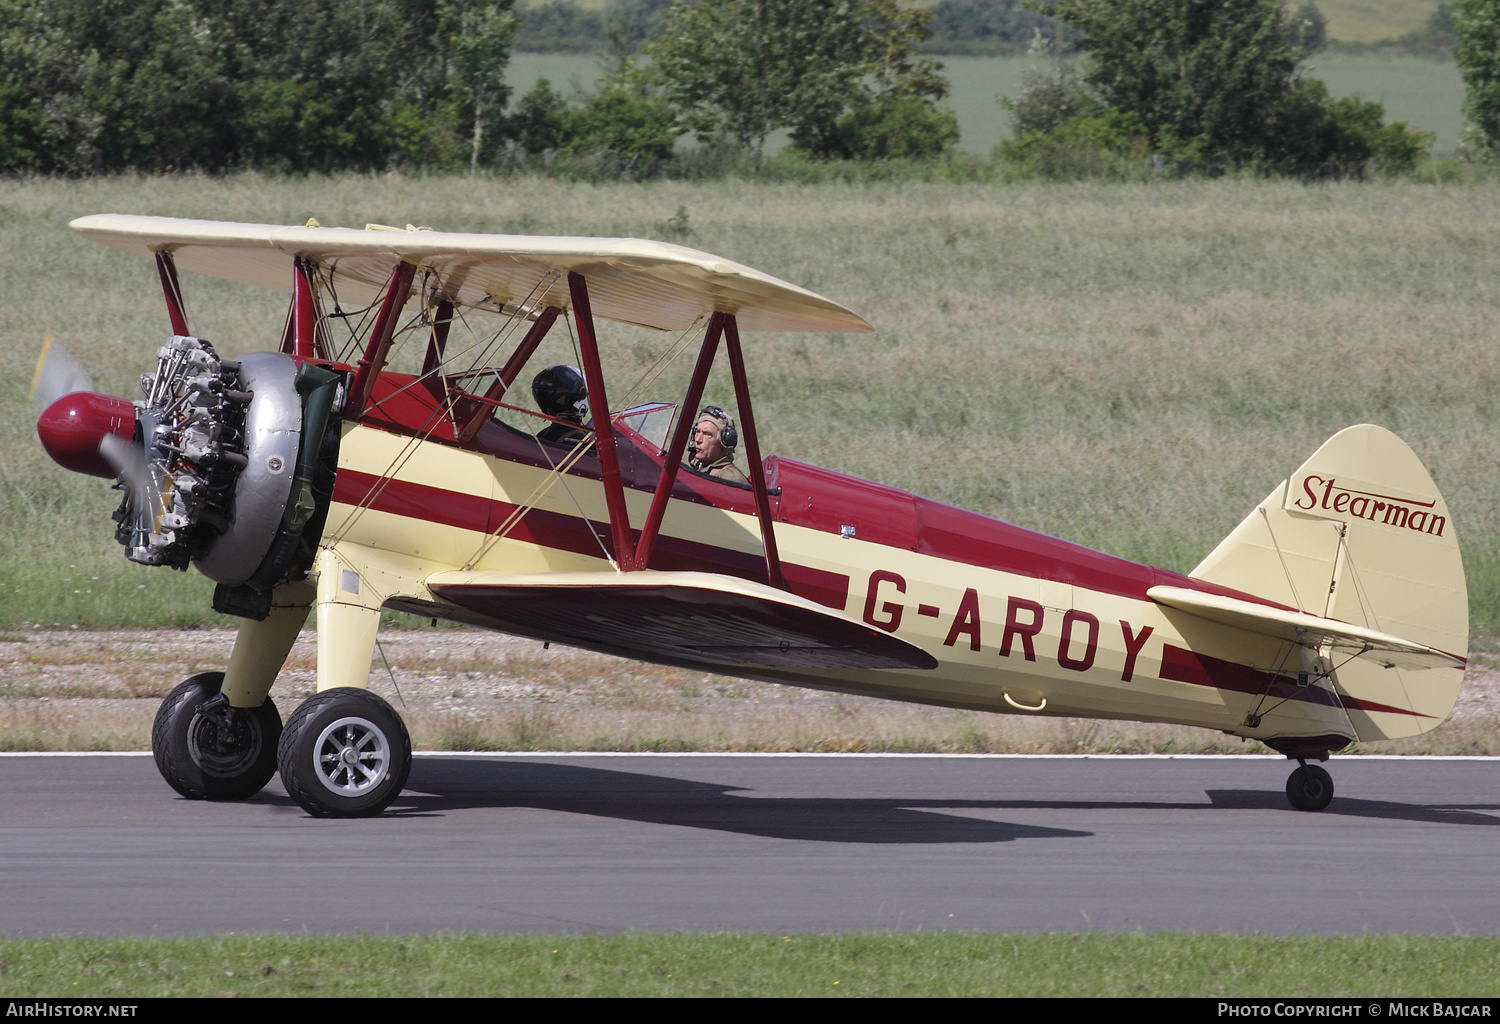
x=1310 y=631
x=682 y=618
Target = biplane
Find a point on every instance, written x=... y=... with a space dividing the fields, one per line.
x=315 y=479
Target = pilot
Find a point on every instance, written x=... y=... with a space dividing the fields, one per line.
x=560 y=392
x=714 y=441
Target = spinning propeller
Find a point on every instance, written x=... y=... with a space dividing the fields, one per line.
x=82 y=430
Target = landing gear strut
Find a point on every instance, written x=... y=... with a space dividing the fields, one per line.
x=345 y=754
x=208 y=750
x=1310 y=788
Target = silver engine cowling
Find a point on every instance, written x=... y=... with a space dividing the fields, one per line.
x=230 y=469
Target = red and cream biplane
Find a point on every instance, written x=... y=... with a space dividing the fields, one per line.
x=315 y=477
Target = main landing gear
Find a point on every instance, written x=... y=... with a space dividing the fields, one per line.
x=207 y=750
x=345 y=754
x=1310 y=788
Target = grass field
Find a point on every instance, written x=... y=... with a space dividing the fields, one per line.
x=930 y=964
x=1129 y=366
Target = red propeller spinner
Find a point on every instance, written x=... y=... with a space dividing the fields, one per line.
x=73 y=427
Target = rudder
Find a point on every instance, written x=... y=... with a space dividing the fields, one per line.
x=1359 y=533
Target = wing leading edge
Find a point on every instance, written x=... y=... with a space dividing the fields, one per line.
x=716 y=623
x=631 y=280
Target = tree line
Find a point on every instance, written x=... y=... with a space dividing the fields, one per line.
x=1182 y=86
x=296 y=85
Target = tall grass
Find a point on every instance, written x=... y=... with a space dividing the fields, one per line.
x=1131 y=366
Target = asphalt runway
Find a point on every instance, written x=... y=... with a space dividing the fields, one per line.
x=97 y=844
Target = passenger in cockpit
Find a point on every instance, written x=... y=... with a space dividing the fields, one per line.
x=560 y=392
x=714 y=441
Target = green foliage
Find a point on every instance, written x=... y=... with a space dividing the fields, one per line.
x=746 y=70
x=619 y=131
x=1111 y=145
x=986 y=27
x=891 y=127
x=1344 y=138
x=622 y=124
x=480 y=32
x=1477 y=26
x=281 y=84
x=1439 y=27
x=23 y=128
x=1309 y=27
x=540 y=121
x=1212 y=86
x=1210 y=69
x=560 y=26
x=1050 y=97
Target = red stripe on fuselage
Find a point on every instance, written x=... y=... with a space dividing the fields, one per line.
x=818 y=499
x=572 y=533
x=1184 y=666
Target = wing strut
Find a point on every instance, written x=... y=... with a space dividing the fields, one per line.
x=437 y=344
x=166 y=268
x=680 y=435
x=480 y=411
x=752 y=455
x=604 y=428
x=301 y=336
x=373 y=361
x=720 y=324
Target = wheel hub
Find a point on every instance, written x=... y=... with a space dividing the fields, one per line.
x=223 y=744
x=351 y=756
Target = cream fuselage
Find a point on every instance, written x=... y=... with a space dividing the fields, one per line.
x=1025 y=639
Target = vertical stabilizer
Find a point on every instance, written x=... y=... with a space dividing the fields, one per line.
x=1359 y=533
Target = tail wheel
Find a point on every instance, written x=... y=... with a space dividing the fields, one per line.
x=345 y=754
x=1310 y=788
x=211 y=751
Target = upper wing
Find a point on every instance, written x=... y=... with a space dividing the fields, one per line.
x=632 y=280
x=716 y=623
x=1308 y=630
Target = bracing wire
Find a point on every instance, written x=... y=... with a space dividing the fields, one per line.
x=410 y=447
x=1284 y=568
x=678 y=346
x=481 y=351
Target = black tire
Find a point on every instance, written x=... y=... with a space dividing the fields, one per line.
x=345 y=754
x=1310 y=788
x=226 y=756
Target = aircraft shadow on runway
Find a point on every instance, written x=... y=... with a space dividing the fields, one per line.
x=442 y=785
x=438 y=786
x=1431 y=814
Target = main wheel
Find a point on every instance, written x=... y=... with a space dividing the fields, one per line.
x=345 y=754
x=1310 y=788
x=223 y=754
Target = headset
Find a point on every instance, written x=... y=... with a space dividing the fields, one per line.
x=728 y=436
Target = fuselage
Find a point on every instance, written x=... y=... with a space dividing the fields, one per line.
x=1018 y=621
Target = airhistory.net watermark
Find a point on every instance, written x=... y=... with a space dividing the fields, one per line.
x=69 y=1008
